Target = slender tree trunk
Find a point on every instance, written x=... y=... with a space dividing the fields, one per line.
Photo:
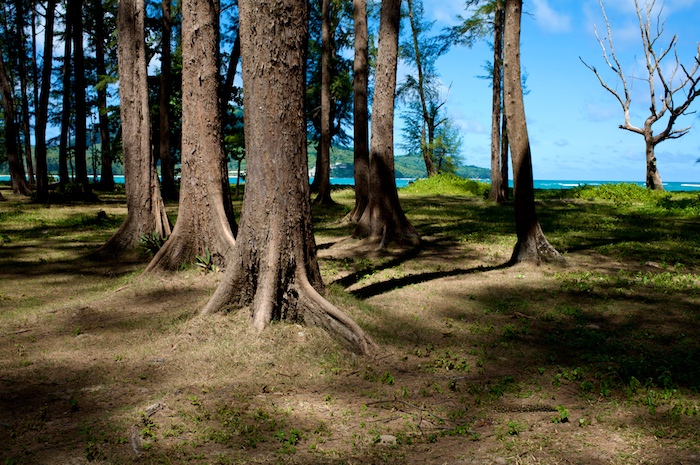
x=653 y=176
x=227 y=88
x=426 y=148
x=42 y=175
x=145 y=209
x=164 y=93
x=504 y=159
x=275 y=270
x=360 y=128
x=80 y=153
x=323 y=164
x=23 y=76
x=384 y=219
x=64 y=140
x=106 y=172
x=497 y=188
x=205 y=220
x=17 y=175
x=532 y=245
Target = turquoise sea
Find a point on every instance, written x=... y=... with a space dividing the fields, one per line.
x=539 y=184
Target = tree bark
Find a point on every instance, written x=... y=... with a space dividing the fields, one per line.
x=275 y=270
x=23 y=77
x=17 y=174
x=80 y=153
x=166 y=165
x=145 y=209
x=205 y=220
x=323 y=162
x=497 y=181
x=532 y=245
x=653 y=177
x=42 y=175
x=64 y=139
x=383 y=219
x=360 y=128
x=106 y=172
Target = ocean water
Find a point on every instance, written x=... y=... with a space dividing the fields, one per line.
x=539 y=184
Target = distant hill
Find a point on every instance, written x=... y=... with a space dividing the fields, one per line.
x=405 y=166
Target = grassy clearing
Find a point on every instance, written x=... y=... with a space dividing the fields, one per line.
x=597 y=362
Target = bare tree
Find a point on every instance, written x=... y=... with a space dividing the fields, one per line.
x=532 y=245
x=274 y=270
x=679 y=82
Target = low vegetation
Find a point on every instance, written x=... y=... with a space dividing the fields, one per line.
x=595 y=362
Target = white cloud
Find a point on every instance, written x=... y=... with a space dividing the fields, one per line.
x=549 y=19
x=445 y=12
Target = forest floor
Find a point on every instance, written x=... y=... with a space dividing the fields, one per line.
x=597 y=362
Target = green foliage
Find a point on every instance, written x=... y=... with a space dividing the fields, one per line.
x=152 y=242
x=562 y=415
x=206 y=261
x=621 y=193
x=447 y=184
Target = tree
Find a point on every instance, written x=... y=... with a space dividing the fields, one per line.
x=164 y=93
x=275 y=271
x=423 y=88
x=145 y=209
x=532 y=245
x=17 y=174
x=384 y=219
x=106 y=174
x=666 y=106
x=23 y=79
x=205 y=222
x=75 y=16
x=323 y=160
x=360 y=81
x=42 y=106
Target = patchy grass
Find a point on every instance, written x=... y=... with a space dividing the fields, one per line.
x=597 y=362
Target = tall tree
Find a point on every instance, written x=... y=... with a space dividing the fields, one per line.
x=384 y=219
x=64 y=137
x=75 y=16
x=164 y=93
x=668 y=105
x=275 y=271
x=17 y=174
x=106 y=172
x=205 y=221
x=145 y=209
x=42 y=106
x=360 y=85
x=532 y=245
x=23 y=79
x=323 y=160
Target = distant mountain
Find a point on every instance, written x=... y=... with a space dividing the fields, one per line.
x=342 y=159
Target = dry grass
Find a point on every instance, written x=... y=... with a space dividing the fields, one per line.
x=596 y=363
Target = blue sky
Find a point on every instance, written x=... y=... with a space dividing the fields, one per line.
x=572 y=121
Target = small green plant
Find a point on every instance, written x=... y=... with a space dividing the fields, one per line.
x=387 y=378
x=206 y=261
x=152 y=242
x=562 y=415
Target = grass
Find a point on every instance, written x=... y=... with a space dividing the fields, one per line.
x=481 y=363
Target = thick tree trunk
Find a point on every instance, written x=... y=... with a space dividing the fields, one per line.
x=205 y=219
x=497 y=188
x=653 y=176
x=532 y=245
x=17 y=174
x=80 y=153
x=166 y=165
x=323 y=164
x=42 y=175
x=360 y=128
x=384 y=219
x=145 y=209
x=106 y=172
x=275 y=270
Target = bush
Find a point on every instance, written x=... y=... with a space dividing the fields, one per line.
x=618 y=193
x=447 y=184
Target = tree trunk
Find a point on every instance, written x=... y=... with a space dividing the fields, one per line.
x=106 y=172
x=384 y=219
x=275 y=270
x=166 y=165
x=504 y=159
x=532 y=245
x=323 y=161
x=80 y=153
x=64 y=139
x=497 y=181
x=360 y=128
x=145 y=209
x=205 y=219
x=23 y=77
x=653 y=176
x=19 y=183
x=42 y=108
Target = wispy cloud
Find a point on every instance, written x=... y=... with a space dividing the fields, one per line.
x=549 y=19
x=445 y=12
